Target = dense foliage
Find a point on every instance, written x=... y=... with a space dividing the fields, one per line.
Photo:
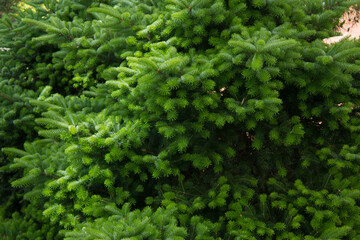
x=5 y=5
x=179 y=119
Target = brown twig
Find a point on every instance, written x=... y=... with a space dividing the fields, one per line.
x=7 y=97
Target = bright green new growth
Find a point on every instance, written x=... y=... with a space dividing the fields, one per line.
x=131 y=225
x=177 y=119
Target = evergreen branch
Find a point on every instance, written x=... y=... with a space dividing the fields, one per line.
x=348 y=67
x=52 y=133
x=108 y=11
x=15 y=151
x=47 y=121
x=118 y=83
x=242 y=44
x=347 y=53
x=45 y=26
x=282 y=44
x=46 y=37
x=44 y=104
x=27 y=179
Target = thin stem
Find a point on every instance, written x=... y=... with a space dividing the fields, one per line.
x=7 y=97
x=327 y=180
x=182 y=186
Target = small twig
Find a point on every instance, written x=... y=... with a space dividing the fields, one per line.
x=327 y=180
x=185 y=193
x=182 y=186
x=50 y=175
x=7 y=97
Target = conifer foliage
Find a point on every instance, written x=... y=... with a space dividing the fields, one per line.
x=179 y=119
